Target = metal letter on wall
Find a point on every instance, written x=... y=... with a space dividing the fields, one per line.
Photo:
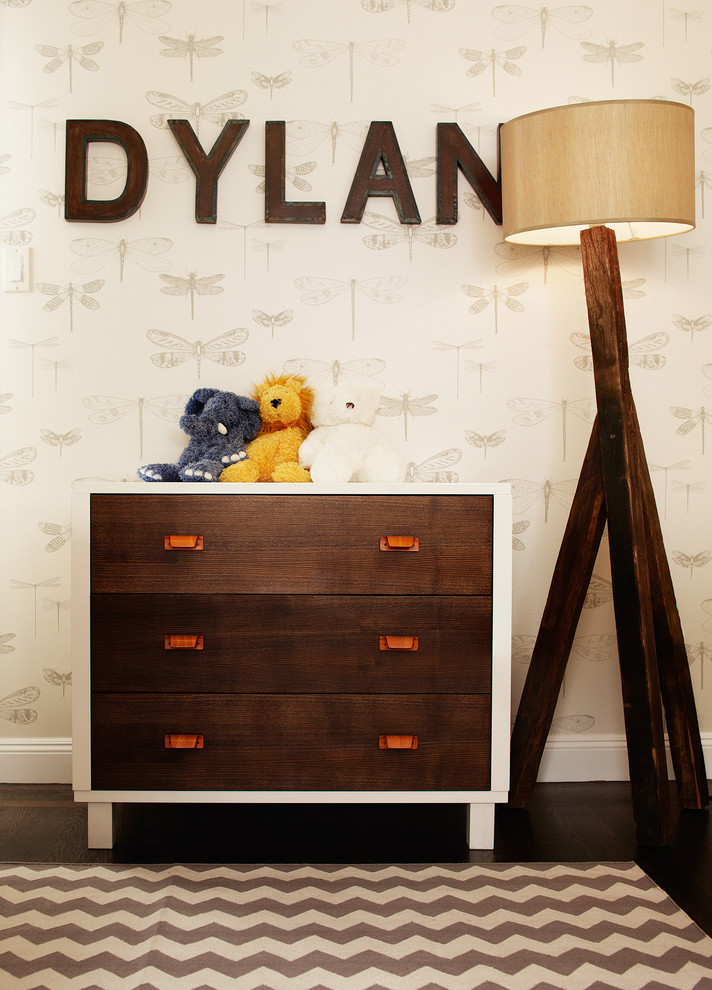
x=207 y=168
x=277 y=209
x=76 y=205
x=455 y=151
x=380 y=150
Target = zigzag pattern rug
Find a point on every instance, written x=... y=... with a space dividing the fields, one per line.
x=457 y=927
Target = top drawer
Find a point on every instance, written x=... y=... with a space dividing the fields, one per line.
x=292 y=544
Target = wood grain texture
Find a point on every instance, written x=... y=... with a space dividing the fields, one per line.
x=303 y=643
x=290 y=742
x=295 y=544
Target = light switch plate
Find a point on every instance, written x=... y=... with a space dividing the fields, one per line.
x=16 y=274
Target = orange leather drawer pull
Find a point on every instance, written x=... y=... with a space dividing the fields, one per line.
x=174 y=641
x=402 y=643
x=179 y=541
x=183 y=742
x=390 y=741
x=408 y=543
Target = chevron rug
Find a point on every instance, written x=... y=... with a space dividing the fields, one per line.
x=458 y=927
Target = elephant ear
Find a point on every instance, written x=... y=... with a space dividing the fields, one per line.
x=196 y=403
x=248 y=404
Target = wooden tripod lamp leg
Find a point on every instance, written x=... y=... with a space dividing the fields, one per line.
x=621 y=460
x=569 y=585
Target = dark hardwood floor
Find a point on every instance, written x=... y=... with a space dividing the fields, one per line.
x=589 y=822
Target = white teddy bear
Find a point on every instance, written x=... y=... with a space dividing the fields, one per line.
x=344 y=446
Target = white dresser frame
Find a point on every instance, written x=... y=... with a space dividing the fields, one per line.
x=481 y=804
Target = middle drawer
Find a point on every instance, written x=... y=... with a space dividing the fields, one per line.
x=291 y=643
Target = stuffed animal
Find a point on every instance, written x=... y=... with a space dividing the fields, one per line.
x=344 y=446
x=285 y=403
x=219 y=425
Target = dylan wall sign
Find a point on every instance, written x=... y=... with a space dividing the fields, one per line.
x=270 y=123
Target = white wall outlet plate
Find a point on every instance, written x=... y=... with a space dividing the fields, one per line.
x=16 y=275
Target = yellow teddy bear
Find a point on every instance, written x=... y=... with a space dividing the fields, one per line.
x=285 y=405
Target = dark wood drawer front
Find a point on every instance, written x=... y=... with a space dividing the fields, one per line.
x=301 y=643
x=292 y=544
x=281 y=742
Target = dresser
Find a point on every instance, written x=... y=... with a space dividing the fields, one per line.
x=291 y=643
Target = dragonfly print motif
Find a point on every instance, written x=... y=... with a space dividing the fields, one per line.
x=192 y=285
x=517 y=21
x=699 y=651
x=270 y=83
x=315 y=53
x=383 y=6
x=382 y=289
x=244 y=227
x=390 y=233
x=58 y=57
x=470 y=345
x=692 y=560
x=406 y=406
x=222 y=350
x=531 y=412
x=5 y=645
x=292 y=173
x=642 y=353
x=96 y=252
x=5 y=398
x=27 y=345
x=191 y=48
x=272 y=320
x=95 y=15
x=58 y=607
x=12 y=466
x=483 y=441
x=703 y=180
x=518 y=259
x=679 y=251
x=480 y=368
x=265 y=9
x=691 y=326
x=31 y=107
x=492 y=59
x=61 y=440
x=69 y=292
x=600 y=592
x=18 y=585
x=679 y=466
x=267 y=247
x=59 y=680
x=495 y=295
x=104 y=409
x=698 y=88
x=686 y=16
x=10 y=232
x=66 y=364
x=526 y=494
x=60 y=535
x=218 y=110
x=436 y=467
x=519 y=527
x=691 y=488
x=357 y=371
x=55 y=200
x=305 y=136
x=612 y=53
x=693 y=418
x=15 y=707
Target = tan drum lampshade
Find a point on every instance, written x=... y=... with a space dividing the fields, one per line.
x=628 y=164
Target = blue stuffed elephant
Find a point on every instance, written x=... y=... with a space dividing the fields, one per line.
x=220 y=425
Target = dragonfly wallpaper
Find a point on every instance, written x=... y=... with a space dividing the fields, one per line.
x=479 y=349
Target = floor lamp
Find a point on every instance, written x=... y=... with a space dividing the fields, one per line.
x=601 y=172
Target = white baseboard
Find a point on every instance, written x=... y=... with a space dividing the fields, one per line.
x=566 y=758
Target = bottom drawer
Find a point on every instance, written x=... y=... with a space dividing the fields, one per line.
x=286 y=742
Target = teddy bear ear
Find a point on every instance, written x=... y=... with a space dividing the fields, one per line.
x=196 y=403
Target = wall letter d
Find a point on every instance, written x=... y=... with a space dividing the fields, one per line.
x=76 y=205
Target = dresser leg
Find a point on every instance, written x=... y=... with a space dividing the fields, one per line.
x=480 y=826
x=100 y=825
